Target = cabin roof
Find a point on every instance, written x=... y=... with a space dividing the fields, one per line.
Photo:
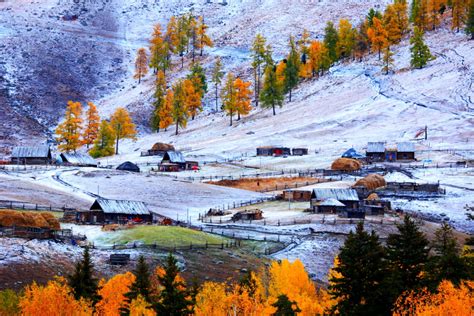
x=375 y=147
x=337 y=194
x=78 y=159
x=120 y=207
x=406 y=147
x=174 y=157
x=31 y=152
x=330 y=202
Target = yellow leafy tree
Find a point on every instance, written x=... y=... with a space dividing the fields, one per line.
x=112 y=293
x=159 y=50
x=69 y=132
x=280 y=72
x=391 y=23
x=243 y=96
x=122 y=126
x=140 y=307
x=211 y=300
x=141 y=64
x=166 y=111
x=180 y=112
x=203 y=39
x=229 y=97
x=104 y=143
x=192 y=98
x=55 y=298
x=448 y=300
x=459 y=10
x=315 y=56
x=171 y=36
x=92 y=125
x=377 y=35
x=292 y=280
x=346 y=39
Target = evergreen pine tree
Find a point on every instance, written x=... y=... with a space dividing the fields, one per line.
x=141 y=286
x=358 y=281
x=160 y=94
x=82 y=281
x=173 y=299
x=371 y=15
x=407 y=255
x=330 y=41
x=217 y=76
x=285 y=307
x=447 y=263
x=420 y=53
x=259 y=54
x=272 y=92
x=470 y=21
x=198 y=78
x=292 y=69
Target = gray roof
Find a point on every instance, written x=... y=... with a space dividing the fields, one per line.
x=120 y=207
x=174 y=157
x=330 y=202
x=337 y=194
x=406 y=147
x=376 y=147
x=31 y=152
x=78 y=159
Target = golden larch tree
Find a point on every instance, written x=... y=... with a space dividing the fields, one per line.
x=69 y=131
x=314 y=60
x=166 y=111
x=346 y=39
x=391 y=24
x=377 y=35
x=228 y=96
x=203 y=39
x=459 y=10
x=122 y=126
x=180 y=112
x=141 y=64
x=243 y=95
x=280 y=72
x=92 y=125
x=192 y=98
x=105 y=141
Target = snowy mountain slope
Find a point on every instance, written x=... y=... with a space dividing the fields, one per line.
x=55 y=50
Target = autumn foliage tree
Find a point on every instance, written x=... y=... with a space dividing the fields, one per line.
x=180 y=112
x=217 y=76
x=378 y=36
x=55 y=298
x=192 y=98
x=259 y=56
x=122 y=126
x=104 y=143
x=159 y=48
x=112 y=293
x=242 y=97
x=158 y=103
x=141 y=64
x=229 y=96
x=69 y=132
x=165 y=113
x=203 y=39
x=346 y=39
x=272 y=92
x=470 y=21
x=92 y=125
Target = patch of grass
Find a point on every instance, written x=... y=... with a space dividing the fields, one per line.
x=162 y=235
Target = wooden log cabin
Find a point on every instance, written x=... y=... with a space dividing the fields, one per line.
x=106 y=211
x=334 y=200
x=34 y=155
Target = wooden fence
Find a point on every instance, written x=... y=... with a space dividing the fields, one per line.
x=16 y=205
x=156 y=246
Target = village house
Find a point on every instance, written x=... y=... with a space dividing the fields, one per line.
x=273 y=151
x=105 y=211
x=375 y=151
x=34 y=155
x=406 y=151
x=77 y=159
x=344 y=202
x=174 y=161
x=297 y=194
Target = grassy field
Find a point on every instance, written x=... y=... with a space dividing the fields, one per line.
x=162 y=235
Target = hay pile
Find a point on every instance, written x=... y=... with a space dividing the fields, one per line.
x=162 y=147
x=373 y=197
x=371 y=182
x=10 y=218
x=346 y=164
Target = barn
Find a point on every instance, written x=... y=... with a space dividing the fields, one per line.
x=77 y=159
x=375 y=151
x=406 y=151
x=128 y=166
x=330 y=205
x=174 y=161
x=298 y=195
x=34 y=155
x=348 y=197
x=105 y=211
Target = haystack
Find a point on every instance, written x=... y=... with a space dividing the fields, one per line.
x=162 y=147
x=346 y=164
x=371 y=182
x=10 y=218
x=373 y=197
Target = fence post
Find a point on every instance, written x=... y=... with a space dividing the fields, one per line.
x=222 y=245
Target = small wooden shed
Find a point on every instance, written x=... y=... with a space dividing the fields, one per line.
x=348 y=197
x=298 y=195
x=33 y=155
x=299 y=151
x=77 y=159
x=406 y=151
x=273 y=151
x=375 y=151
x=331 y=206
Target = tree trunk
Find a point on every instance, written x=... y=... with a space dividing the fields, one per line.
x=256 y=87
x=182 y=61
x=290 y=94
x=238 y=116
x=116 y=146
x=176 y=133
x=273 y=106
x=217 y=92
x=231 y=118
